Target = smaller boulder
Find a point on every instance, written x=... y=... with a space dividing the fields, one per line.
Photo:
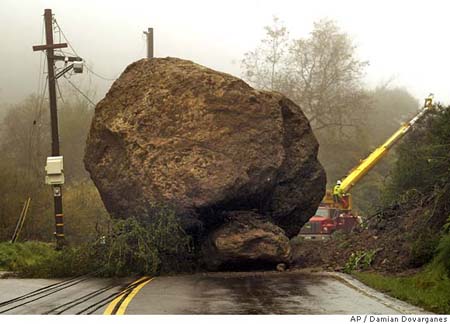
x=281 y=267
x=246 y=239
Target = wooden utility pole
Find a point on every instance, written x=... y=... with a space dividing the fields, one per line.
x=57 y=189
x=149 y=35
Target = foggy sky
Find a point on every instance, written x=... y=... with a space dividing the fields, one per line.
x=405 y=41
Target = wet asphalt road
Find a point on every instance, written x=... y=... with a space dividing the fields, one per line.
x=217 y=293
x=80 y=295
x=245 y=293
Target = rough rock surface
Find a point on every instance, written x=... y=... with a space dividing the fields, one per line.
x=171 y=131
x=246 y=239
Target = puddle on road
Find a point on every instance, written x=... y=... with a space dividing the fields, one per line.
x=257 y=294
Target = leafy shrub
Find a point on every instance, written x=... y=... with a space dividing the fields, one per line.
x=131 y=247
x=360 y=260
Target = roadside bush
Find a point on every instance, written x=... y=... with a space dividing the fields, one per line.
x=128 y=250
x=158 y=246
x=128 y=247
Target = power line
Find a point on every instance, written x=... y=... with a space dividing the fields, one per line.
x=80 y=92
x=98 y=75
x=41 y=100
x=59 y=91
x=64 y=35
x=41 y=58
x=75 y=52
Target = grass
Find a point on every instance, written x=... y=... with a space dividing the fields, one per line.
x=131 y=247
x=34 y=259
x=423 y=289
x=26 y=258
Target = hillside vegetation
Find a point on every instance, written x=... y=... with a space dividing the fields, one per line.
x=407 y=242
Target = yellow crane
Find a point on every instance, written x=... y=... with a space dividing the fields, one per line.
x=358 y=172
x=334 y=213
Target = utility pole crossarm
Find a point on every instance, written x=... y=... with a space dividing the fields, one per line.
x=47 y=47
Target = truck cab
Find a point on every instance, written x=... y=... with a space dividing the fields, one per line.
x=321 y=223
x=326 y=221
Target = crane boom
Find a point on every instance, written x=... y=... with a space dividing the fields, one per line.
x=367 y=164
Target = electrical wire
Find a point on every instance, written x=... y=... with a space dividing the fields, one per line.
x=59 y=91
x=41 y=101
x=75 y=52
x=64 y=35
x=98 y=75
x=80 y=92
x=41 y=57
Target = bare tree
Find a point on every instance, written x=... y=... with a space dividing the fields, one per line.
x=321 y=73
x=325 y=78
x=263 y=66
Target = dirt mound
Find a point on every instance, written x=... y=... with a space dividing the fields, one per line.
x=402 y=237
x=175 y=133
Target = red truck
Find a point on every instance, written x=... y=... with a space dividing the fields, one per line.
x=326 y=221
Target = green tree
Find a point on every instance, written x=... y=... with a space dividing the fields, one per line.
x=424 y=157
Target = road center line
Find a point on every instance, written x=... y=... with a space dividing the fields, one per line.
x=120 y=303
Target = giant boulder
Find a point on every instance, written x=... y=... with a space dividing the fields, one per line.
x=173 y=132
